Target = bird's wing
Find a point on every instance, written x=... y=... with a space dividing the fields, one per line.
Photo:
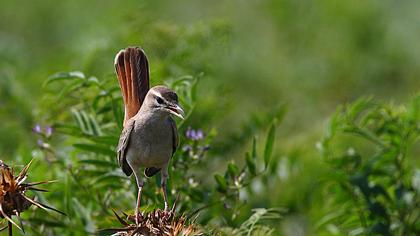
x=132 y=70
x=175 y=138
x=123 y=145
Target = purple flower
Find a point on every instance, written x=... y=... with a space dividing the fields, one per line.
x=190 y=133
x=37 y=129
x=49 y=131
x=40 y=143
x=194 y=135
x=199 y=135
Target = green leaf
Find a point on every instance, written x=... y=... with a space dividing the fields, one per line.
x=79 y=120
x=65 y=76
x=68 y=129
x=269 y=144
x=47 y=222
x=233 y=170
x=254 y=148
x=105 y=140
x=94 y=126
x=93 y=81
x=118 y=113
x=221 y=183
x=250 y=162
x=99 y=163
x=379 y=190
x=85 y=122
x=379 y=229
x=356 y=108
x=68 y=88
x=361 y=181
x=84 y=214
x=94 y=173
x=95 y=149
x=108 y=178
x=194 y=90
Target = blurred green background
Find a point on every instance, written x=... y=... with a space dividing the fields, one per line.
x=255 y=57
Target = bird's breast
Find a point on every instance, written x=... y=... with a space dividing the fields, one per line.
x=150 y=143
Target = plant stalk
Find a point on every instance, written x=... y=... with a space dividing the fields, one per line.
x=10 y=228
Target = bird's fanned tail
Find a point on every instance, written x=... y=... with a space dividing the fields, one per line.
x=132 y=68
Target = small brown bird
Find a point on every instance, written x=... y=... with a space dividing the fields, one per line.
x=150 y=137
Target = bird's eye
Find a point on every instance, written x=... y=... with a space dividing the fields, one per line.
x=159 y=100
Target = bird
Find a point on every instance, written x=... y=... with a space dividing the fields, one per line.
x=149 y=137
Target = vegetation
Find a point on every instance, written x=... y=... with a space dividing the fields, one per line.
x=378 y=190
x=258 y=81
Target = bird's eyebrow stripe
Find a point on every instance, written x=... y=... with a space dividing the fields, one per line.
x=157 y=94
x=160 y=96
x=166 y=96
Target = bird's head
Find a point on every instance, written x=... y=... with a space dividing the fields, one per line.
x=164 y=101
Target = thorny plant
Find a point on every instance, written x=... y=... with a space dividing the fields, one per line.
x=154 y=223
x=13 y=198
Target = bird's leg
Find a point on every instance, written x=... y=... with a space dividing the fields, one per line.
x=164 y=175
x=140 y=184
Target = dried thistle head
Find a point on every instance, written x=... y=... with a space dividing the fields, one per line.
x=13 y=200
x=157 y=222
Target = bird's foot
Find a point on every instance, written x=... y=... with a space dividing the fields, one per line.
x=167 y=213
x=135 y=218
x=138 y=217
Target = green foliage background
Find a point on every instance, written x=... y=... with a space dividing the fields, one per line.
x=255 y=61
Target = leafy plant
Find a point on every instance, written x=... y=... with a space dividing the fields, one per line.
x=252 y=225
x=237 y=178
x=92 y=126
x=367 y=146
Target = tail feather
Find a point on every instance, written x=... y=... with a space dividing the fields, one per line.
x=132 y=70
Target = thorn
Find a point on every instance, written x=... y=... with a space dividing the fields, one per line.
x=123 y=222
x=25 y=169
x=43 y=206
x=7 y=217
x=20 y=221
x=40 y=182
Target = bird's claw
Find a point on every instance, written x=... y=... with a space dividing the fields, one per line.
x=167 y=213
x=139 y=218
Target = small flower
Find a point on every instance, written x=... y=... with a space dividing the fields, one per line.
x=49 y=131
x=37 y=129
x=192 y=182
x=199 y=135
x=40 y=143
x=194 y=135
x=190 y=133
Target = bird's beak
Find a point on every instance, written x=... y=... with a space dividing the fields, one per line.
x=176 y=110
